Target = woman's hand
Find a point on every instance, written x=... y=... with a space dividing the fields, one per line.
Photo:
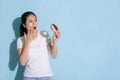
x=56 y=36
x=29 y=36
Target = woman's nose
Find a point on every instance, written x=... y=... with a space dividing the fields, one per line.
x=34 y=23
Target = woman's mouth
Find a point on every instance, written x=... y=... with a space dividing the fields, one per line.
x=34 y=28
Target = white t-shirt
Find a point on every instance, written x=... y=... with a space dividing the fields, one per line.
x=38 y=64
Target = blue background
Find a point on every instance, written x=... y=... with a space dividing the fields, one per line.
x=89 y=48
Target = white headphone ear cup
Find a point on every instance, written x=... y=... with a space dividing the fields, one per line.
x=46 y=35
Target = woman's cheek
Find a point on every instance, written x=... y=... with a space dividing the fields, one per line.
x=30 y=24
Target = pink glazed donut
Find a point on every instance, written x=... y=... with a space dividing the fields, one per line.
x=54 y=28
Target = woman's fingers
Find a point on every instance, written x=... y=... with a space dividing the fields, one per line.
x=30 y=33
x=58 y=34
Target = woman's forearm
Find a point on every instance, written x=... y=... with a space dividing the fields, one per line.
x=54 y=50
x=24 y=55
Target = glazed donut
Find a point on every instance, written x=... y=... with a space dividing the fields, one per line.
x=54 y=28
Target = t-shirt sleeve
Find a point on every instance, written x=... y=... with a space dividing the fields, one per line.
x=19 y=43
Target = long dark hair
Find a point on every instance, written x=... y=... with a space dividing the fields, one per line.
x=23 y=21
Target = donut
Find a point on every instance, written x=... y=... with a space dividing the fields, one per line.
x=54 y=28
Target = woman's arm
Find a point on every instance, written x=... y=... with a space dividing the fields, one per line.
x=23 y=52
x=52 y=47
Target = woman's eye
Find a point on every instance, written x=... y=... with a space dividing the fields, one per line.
x=30 y=21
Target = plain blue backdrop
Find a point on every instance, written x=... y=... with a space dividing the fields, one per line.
x=89 y=48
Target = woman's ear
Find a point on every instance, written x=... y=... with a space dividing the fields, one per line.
x=24 y=25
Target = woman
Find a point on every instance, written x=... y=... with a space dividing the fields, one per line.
x=33 y=47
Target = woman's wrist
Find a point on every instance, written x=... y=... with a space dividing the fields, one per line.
x=26 y=44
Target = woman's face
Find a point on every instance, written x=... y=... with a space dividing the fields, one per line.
x=31 y=22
